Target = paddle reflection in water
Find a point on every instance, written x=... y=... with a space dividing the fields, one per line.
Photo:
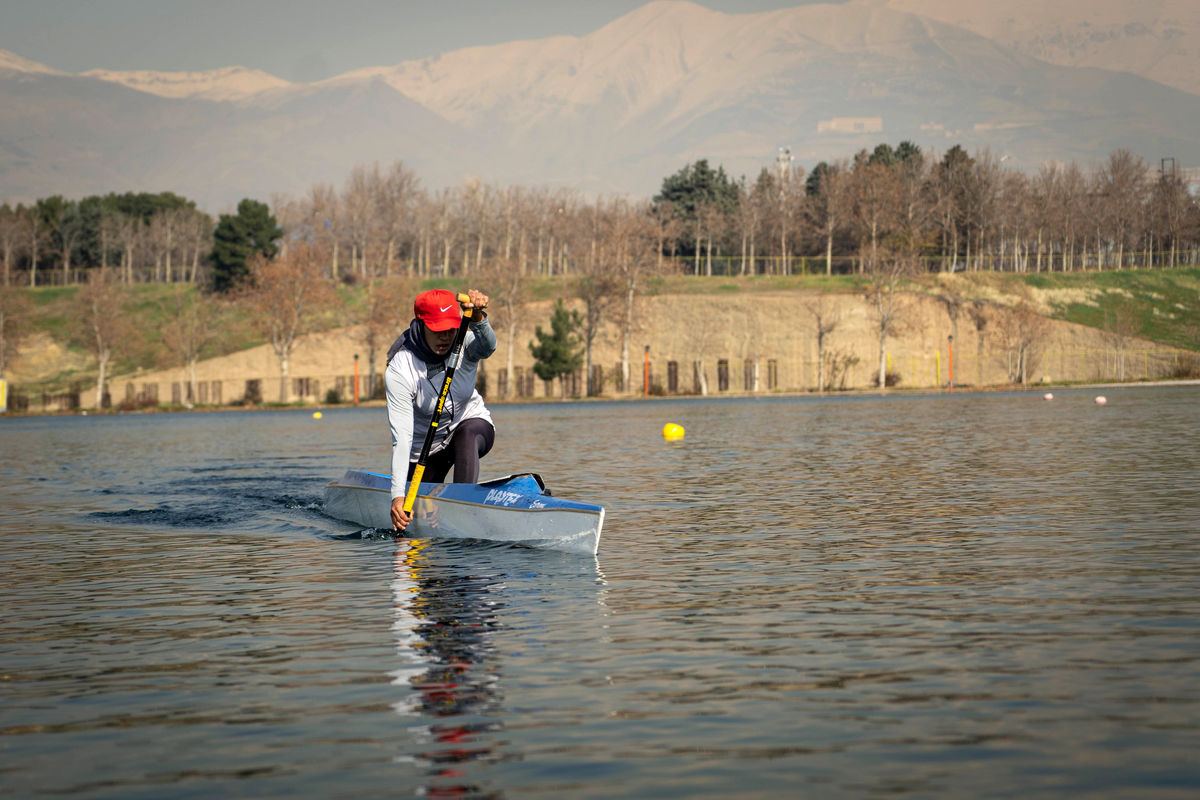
x=444 y=627
x=495 y=648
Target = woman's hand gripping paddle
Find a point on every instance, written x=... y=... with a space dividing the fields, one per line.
x=452 y=363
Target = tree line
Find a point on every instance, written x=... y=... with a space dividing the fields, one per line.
x=56 y=240
x=952 y=211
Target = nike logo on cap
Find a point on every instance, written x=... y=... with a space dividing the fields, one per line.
x=447 y=308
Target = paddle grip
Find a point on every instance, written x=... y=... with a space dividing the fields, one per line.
x=463 y=299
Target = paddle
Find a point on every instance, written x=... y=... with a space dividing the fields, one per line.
x=452 y=363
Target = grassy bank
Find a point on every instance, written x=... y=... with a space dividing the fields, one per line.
x=1160 y=305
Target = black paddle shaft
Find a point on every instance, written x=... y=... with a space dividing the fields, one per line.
x=451 y=365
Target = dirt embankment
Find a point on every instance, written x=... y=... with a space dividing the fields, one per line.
x=742 y=341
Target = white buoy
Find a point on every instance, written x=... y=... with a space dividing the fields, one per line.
x=1101 y=400
x=1048 y=396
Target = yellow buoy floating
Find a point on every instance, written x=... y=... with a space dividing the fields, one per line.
x=672 y=432
x=316 y=415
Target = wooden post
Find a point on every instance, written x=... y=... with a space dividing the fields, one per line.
x=950 y=363
x=356 y=379
x=646 y=373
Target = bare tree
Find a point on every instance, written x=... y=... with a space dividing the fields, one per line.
x=323 y=223
x=564 y=211
x=635 y=234
x=979 y=200
x=1015 y=222
x=69 y=228
x=10 y=239
x=358 y=199
x=398 y=193
x=129 y=233
x=1122 y=187
x=284 y=298
x=884 y=282
x=1121 y=327
x=508 y=292
x=477 y=208
x=874 y=197
x=828 y=204
x=198 y=235
x=191 y=329
x=599 y=287
x=387 y=310
x=667 y=229
x=748 y=218
x=1045 y=201
x=791 y=205
x=36 y=235
x=825 y=320
x=709 y=219
x=102 y=324
x=1074 y=210
x=1022 y=332
x=914 y=203
x=165 y=233
x=1170 y=203
x=446 y=224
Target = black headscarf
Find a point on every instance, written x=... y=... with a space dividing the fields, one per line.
x=414 y=339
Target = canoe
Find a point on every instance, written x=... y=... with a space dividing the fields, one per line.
x=516 y=509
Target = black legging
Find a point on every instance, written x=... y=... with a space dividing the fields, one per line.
x=471 y=440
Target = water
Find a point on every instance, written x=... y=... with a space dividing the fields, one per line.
x=984 y=595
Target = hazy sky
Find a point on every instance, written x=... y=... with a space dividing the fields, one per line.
x=298 y=40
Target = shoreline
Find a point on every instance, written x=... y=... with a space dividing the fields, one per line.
x=321 y=407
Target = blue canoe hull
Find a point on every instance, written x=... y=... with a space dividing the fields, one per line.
x=514 y=509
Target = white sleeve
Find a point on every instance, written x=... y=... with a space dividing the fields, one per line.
x=400 y=396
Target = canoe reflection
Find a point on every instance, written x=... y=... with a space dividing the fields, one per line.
x=443 y=624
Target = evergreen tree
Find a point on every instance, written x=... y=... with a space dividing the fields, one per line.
x=883 y=154
x=906 y=150
x=559 y=352
x=694 y=188
x=238 y=236
x=812 y=184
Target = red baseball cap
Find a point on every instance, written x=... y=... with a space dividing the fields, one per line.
x=438 y=309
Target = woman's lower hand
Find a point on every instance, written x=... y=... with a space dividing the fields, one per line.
x=400 y=518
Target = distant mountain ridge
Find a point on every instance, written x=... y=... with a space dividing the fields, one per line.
x=228 y=83
x=614 y=111
x=1154 y=39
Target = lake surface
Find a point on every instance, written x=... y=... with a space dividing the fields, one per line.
x=968 y=595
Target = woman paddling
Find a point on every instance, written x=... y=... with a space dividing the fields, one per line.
x=416 y=368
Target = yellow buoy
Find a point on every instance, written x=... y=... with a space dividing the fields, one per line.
x=316 y=415
x=672 y=432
